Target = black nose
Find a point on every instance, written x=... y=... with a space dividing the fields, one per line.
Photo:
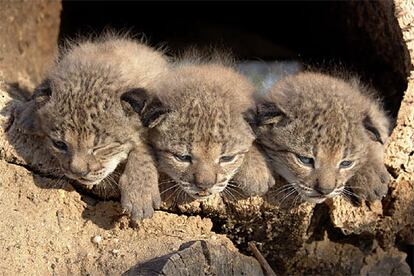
x=323 y=191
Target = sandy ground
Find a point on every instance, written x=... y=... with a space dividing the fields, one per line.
x=47 y=231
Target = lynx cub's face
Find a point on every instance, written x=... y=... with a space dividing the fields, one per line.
x=317 y=132
x=82 y=126
x=204 y=158
x=197 y=129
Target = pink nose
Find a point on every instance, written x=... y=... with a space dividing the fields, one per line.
x=79 y=171
x=323 y=191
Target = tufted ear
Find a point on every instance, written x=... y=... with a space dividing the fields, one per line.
x=43 y=92
x=149 y=108
x=372 y=129
x=26 y=114
x=268 y=113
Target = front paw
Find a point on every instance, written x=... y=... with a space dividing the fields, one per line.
x=371 y=183
x=139 y=201
x=255 y=184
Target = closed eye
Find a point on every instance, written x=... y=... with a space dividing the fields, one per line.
x=227 y=158
x=60 y=145
x=107 y=149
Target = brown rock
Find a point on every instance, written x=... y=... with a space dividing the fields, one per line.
x=199 y=258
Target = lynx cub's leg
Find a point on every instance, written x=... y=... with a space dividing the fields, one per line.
x=139 y=185
x=254 y=176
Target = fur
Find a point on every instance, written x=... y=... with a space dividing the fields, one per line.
x=79 y=113
x=325 y=136
x=198 y=132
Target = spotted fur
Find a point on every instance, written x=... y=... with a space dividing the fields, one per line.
x=325 y=136
x=79 y=113
x=200 y=137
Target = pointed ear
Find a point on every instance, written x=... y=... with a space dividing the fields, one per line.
x=133 y=101
x=42 y=93
x=372 y=129
x=26 y=114
x=268 y=113
x=149 y=108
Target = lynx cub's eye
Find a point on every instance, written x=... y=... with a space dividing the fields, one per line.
x=60 y=145
x=226 y=159
x=305 y=160
x=183 y=158
x=345 y=164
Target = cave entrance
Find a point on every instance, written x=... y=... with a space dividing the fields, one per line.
x=361 y=36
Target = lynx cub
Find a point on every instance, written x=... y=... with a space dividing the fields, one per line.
x=325 y=136
x=79 y=113
x=198 y=132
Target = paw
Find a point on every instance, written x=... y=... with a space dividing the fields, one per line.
x=257 y=184
x=371 y=183
x=378 y=189
x=139 y=201
x=137 y=208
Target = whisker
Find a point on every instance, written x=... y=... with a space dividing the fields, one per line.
x=233 y=186
x=57 y=183
x=173 y=193
x=348 y=192
x=284 y=186
x=355 y=187
x=286 y=189
x=166 y=190
x=228 y=194
x=166 y=182
x=112 y=181
x=231 y=189
x=287 y=196
x=175 y=203
x=347 y=197
x=115 y=173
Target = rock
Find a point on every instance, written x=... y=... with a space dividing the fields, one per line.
x=348 y=259
x=386 y=263
x=97 y=239
x=199 y=258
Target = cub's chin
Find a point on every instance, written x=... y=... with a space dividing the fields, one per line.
x=204 y=194
x=315 y=200
x=89 y=183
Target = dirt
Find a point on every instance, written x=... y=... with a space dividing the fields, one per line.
x=56 y=231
